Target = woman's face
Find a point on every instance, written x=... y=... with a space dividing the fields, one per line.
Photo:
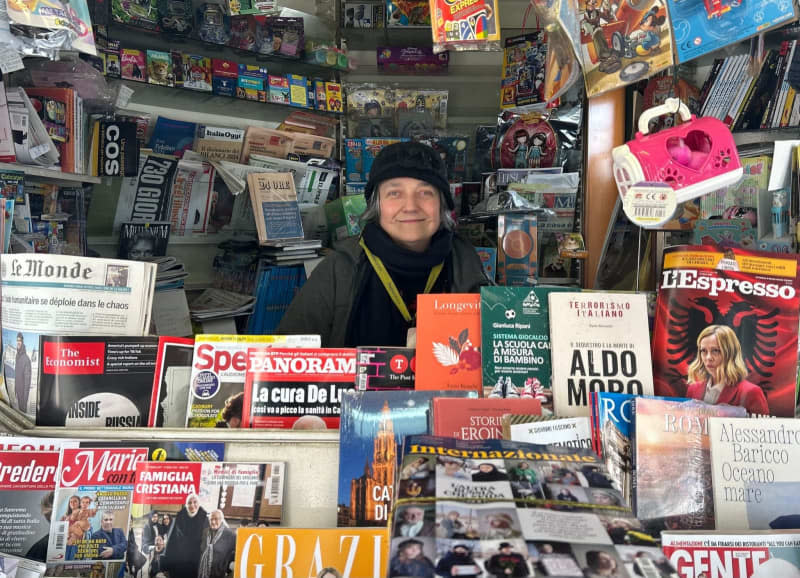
x=710 y=354
x=74 y=502
x=409 y=211
x=192 y=505
x=605 y=561
x=413 y=550
x=486 y=468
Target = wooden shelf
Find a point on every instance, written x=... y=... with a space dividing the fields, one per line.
x=52 y=175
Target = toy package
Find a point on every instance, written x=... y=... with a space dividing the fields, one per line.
x=159 y=68
x=319 y=94
x=524 y=61
x=516 y=249
x=333 y=96
x=237 y=7
x=408 y=13
x=363 y=15
x=282 y=36
x=213 y=23
x=420 y=112
x=178 y=69
x=298 y=93
x=370 y=111
x=465 y=25
x=252 y=83
x=411 y=60
x=134 y=65
x=139 y=13
x=725 y=233
x=111 y=61
x=175 y=16
x=525 y=141
x=278 y=89
x=454 y=151
x=224 y=77
x=360 y=154
x=243 y=33
x=197 y=72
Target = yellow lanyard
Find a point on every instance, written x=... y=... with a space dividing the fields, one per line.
x=391 y=288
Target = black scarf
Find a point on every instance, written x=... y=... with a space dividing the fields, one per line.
x=375 y=320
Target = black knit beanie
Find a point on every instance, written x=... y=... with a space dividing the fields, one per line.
x=410 y=159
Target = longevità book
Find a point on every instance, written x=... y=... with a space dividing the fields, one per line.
x=749 y=296
x=599 y=342
x=95 y=381
x=515 y=341
x=449 y=341
x=754 y=471
x=371 y=432
x=672 y=462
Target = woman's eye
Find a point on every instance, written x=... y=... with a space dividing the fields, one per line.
x=392 y=194
x=427 y=193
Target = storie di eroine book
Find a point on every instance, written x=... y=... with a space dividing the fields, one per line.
x=750 y=300
x=477 y=419
x=449 y=341
x=599 y=342
x=371 y=433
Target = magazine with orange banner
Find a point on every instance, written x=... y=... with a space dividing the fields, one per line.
x=449 y=341
x=353 y=552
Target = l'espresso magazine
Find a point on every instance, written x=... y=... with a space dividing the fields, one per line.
x=745 y=301
x=205 y=503
x=218 y=373
x=95 y=381
x=61 y=294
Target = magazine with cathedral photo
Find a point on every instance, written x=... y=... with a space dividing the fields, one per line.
x=185 y=515
x=371 y=432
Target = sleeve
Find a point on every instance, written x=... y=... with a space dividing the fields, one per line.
x=120 y=544
x=755 y=401
x=312 y=309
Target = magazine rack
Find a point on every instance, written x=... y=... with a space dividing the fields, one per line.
x=312 y=457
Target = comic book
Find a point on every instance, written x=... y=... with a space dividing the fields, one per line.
x=218 y=373
x=298 y=388
x=746 y=299
x=357 y=552
x=91 y=508
x=180 y=508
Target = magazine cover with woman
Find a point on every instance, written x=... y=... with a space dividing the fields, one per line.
x=726 y=328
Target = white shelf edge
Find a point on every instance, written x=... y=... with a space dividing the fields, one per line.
x=50 y=174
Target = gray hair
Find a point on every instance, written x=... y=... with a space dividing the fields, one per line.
x=373 y=212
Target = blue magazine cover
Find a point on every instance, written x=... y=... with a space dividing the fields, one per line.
x=172 y=137
x=703 y=27
x=371 y=431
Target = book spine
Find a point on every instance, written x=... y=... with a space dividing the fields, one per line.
x=754 y=108
x=740 y=72
x=95 y=154
x=747 y=95
x=713 y=93
x=781 y=110
x=787 y=109
x=783 y=87
x=712 y=77
x=774 y=88
x=634 y=453
x=794 y=118
x=733 y=110
x=724 y=97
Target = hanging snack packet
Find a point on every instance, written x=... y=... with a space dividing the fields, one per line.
x=465 y=25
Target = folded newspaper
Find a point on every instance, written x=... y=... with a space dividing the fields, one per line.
x=62 y=294
x=219 y=304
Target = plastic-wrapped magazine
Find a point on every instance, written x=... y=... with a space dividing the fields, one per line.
x=21 y=567
x=59 y=294
x=32 y=144
x=502 y=508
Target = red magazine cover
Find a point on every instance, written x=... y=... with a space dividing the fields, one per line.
x=170 y=396
x=477 y=419
x=449 y=341
x=744 y=301
x=296 y=388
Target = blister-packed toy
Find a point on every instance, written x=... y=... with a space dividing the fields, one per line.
x=465 y=25
x=243 y=33
x=370 y=111
x=175 y=16
x=213 y=23
x=139 y=13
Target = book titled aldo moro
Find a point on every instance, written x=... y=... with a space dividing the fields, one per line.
x=751 y=299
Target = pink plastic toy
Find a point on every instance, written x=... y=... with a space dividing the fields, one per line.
x=694 y=158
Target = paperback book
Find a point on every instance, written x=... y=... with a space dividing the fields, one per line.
x=515 y=339
x=172 y=137
x=599 y=342
x=753 y=473
x=745 y=301
x=217 y=379
x=671 y=485
x=448 y=341
x=371 y=433
x=95 y=381
x=296 y=388
x=206 y=504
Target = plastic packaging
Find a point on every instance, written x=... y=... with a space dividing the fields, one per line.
x=469 y=25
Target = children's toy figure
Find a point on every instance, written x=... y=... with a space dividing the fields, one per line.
x=536 y=150
x=593 y=18
x=525 y=83
x=213 y=24
x=520 y=150
x=419 y=104
x=647 y=38
x=372 y=109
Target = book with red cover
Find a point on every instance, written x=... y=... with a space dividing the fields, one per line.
x=753 y=293
x=170 y=397
x=296 y=388
x=477 y=419
x=449 y=341
x=56 y=108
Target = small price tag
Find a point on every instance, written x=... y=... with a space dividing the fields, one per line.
x=649 y=205
x=123 y=96
x=10 y=60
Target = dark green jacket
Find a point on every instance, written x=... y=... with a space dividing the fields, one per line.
x=324 y=304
